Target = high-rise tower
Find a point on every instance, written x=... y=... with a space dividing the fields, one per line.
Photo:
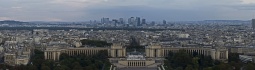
x=131 y=20
x=105 y=20
x=143 y=21
x=164 y=22
x=121 y=20
x=138 y=21
x=253 y=23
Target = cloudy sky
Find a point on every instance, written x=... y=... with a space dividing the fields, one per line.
x=84 y=10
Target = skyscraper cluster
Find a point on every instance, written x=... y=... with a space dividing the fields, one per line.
x=105 y=20
x=130 y=22
x=135 y=21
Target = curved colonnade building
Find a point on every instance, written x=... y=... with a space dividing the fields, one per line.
x=154 y=54
x=220 y=53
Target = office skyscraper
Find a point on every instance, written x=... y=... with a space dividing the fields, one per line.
x=105 y=20
x=115 y=21
x=138 y=21
x=131 y=20
x=164 y=22
x=253 y=23
x=143 y=21
x=121 y=20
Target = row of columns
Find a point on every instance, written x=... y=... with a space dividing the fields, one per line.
x=85 y=51
x=221 y=54
x=218 y=54
x=136 y=63
x=54 y=55
x=118 y=52
x=153 y=52
x=190 y=51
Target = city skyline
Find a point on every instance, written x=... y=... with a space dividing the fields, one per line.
x=85 y=10
x=127 y=34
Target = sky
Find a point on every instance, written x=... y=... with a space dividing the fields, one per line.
x=157 y=10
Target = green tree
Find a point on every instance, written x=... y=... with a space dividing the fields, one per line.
x=58 y=68
x=195 y=63
x=233 y=57
x=45 y=68
x=49 y=63
x=235 y=65
x=189 y=67
x=179 y=68
x=249 y=66
x=170 y=55
x=77 y=68
x=208 y=68
x=88 y=68
x=38 y=58
x=65 y=67
x=168 y=67
x=31 y=67
x=76 y=64
x=93 y=62
x=206 y=61
x=181 y=59
x=223 y=66
x=63 y=56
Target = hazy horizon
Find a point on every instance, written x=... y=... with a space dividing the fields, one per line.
x=157 y=10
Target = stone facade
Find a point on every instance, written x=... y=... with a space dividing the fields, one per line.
x=220 y=53
x=154 y=54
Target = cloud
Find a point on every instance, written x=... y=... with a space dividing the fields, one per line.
x=54 y=19
x=81 y=10
x=16 y=7
x=75 y=3
x=248 y=1
x=5 y=18
x=244 y=7
x=105 y=0
x=152 y=13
